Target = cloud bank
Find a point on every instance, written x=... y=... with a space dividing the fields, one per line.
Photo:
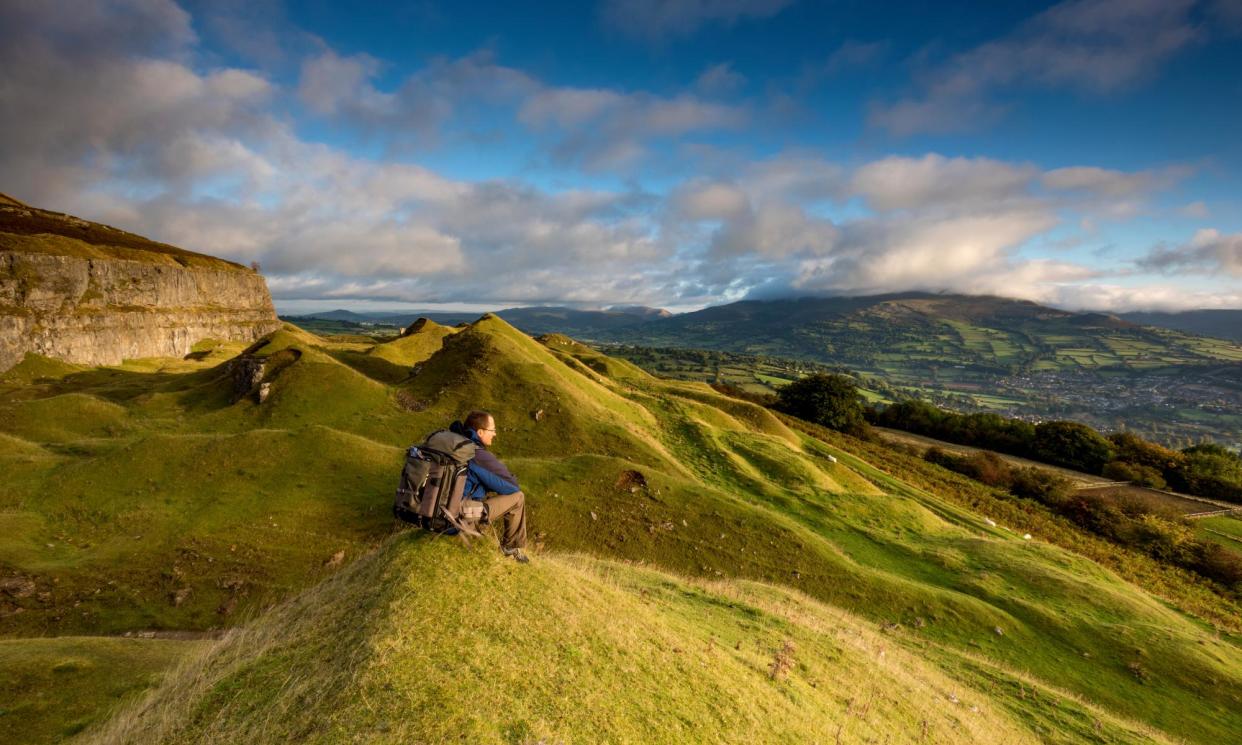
x=113 y=111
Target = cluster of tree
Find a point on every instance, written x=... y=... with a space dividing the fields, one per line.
x=827 y=399
x=1206 y=470
x=1160 y=533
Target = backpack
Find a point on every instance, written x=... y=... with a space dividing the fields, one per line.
x=432 y=483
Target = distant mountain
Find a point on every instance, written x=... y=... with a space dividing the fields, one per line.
x=1223 y=324
x=910 y=334
x=585 y=324
x=338 y=315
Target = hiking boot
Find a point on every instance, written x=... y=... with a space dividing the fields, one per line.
x=518 y=555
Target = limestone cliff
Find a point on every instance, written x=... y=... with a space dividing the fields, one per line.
x=95 y=295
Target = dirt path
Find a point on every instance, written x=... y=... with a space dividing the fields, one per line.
x=1080 y=479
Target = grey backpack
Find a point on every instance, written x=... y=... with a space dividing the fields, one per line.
x=432 y=483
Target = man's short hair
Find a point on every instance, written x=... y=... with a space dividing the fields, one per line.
x=477 y=420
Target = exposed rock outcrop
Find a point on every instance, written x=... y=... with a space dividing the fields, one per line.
x=94 y=295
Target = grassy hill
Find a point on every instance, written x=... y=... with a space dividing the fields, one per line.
x=903 y=334
x=681 y=538
x=423 y=641
x=1223 y=323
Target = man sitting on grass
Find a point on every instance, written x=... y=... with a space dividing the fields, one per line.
x=486 y=474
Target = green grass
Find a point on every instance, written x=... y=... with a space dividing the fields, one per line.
x=678 y=660
x=53 y=689
x=146 y=498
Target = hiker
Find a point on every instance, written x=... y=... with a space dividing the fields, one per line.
x=486 y=474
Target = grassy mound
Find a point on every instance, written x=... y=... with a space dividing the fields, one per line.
x=35 y=368
x=150 y=498
x=395 y=360
x=428 y=642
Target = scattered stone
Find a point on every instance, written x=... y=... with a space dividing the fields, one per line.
x=594 y=516
x=265 y=390
x=245 y=371
x=179 y=597
x=999 y=631
x=17 y=587
x=1026 y=536
x=538 y=415
x=407 y=402
x=335 y=559
x=990 y=521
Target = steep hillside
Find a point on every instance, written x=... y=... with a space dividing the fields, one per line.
x=160 y=496
x=1224 y=323
x=91 y=294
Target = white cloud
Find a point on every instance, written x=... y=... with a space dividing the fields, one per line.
x=719 y=80
x=1093 y=46
x=661 y=19
x=712 y=200
x=143 y=134
x=1100 y=181
x=933 y=180
x=1118 y=298
x=1208 y=252
x=330 y=83
x=606 y=129
x=924 y=252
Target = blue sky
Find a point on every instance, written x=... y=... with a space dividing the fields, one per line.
x=677 y=154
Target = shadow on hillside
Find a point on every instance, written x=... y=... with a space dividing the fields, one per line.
x=200 y=389
x=375 y=368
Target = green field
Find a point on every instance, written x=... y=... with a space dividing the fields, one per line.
x=753 y=590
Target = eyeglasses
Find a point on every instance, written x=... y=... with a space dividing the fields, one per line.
x=487 y=429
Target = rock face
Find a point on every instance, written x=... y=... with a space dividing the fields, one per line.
x=94 y=295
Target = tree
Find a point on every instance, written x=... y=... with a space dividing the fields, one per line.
x=830 y=400
x=1072 y=445
x=1139 y=474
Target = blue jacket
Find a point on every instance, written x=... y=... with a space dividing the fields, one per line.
x=485 y=473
